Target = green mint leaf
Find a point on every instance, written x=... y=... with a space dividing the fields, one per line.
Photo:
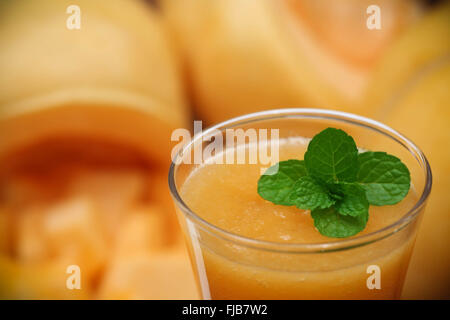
x=336 y=183
x=353 y=201
x=307 y=194
x=332 y=224
x=384 y=177
x=332 y=156
x=275 y=185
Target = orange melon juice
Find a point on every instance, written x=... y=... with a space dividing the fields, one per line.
x=244 y=247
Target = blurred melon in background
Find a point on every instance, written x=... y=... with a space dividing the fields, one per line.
x=243 y=56
x=111 y=78
x=409 y=91
x=85 y=122
x=423 y=113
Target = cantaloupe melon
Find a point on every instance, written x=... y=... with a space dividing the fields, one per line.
x=143 y=230
x=45 y=280
x=410 y=93
x=114 y=79
x=418 y=48
x=244 y=56
x=114 y=192
x=157 y=276
x=85 y=117
x=422 y=113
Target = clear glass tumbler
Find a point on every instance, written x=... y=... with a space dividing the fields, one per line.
x=231 y=266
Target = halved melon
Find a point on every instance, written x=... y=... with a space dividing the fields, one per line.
x=410 y=92
x=422 y=113
x=418 y=49
x=245 y=56
x=114 y=79
x=85 y=117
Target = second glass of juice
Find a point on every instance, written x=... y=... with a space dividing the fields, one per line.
x=244 y=247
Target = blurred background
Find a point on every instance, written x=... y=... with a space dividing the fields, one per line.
x=86 y=116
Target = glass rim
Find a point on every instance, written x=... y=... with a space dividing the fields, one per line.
x=320 y=247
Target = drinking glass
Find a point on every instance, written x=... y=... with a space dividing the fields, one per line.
x=232 y=266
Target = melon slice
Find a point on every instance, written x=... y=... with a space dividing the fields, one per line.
x=31 y=245
x=114 y=79
x=46 y=280
x=71 y=231
x=340 y=26
x=246 y=56
x=75 y=230
x=410 y=90
x=150 y=276
x=143 y=230
x=423 y=45
x=159 y=193
x=114 y=192
x=422 y=113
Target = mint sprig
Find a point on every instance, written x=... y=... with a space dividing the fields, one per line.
x=336 y=183
x=332 y=224
x=276 y=183
x=384 y=177
x=307 y=194
x=332 y=156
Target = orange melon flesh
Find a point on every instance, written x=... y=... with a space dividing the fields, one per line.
x=116 y=78
x=410 y=90
x=85 y=120
x=425 y=104
x=349 y=38
x=257 y=55
x=420 y=47
x=64 y=207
